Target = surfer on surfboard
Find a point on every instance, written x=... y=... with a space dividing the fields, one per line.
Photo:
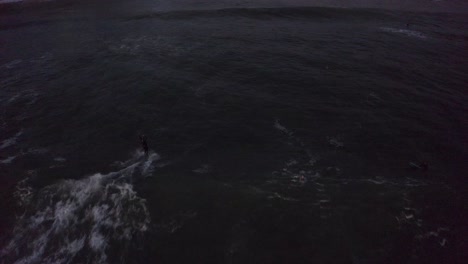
x=144 y=143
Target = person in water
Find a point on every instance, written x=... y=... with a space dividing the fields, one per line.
x=144 y=144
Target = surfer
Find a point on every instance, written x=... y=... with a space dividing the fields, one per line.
x=144 y=144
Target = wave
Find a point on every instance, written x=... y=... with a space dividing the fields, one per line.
x=407 y=32
x=10 y=1
x=10 y=141
x=159 y=46
x=80 y=220
x=270 y=13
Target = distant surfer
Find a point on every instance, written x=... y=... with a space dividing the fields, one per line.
x=144 y=144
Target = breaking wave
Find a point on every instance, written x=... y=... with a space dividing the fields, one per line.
x=80 y=220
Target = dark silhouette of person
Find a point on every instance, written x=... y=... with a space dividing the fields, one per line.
x=144 y=143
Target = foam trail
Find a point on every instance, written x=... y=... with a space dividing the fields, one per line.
x=10 y=141
x=409 y=33
x=80 y=217
x=282 y=128
x=8 y=160
x=10 y=1
x=335 y=142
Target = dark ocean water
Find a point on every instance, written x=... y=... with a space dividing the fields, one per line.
x=277 y=136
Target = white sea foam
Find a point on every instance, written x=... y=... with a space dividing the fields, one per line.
x=378 y=181
x=276 y=195
x=23 y=193
x=443 y=242
x=373 y=99
x=407 y=32
x=10 y=1
x=14 y=97
x=335 y=142
x=8 y=160
x=157 y=45
x=37 y=151
x=282 y=128
x=10 y=141
x=60 y=159
x=27 y=97
x=205 y=168
x=291 y=162
x=80 y=216
x=13 y=63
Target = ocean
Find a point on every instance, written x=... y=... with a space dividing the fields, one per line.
x=276 y=135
